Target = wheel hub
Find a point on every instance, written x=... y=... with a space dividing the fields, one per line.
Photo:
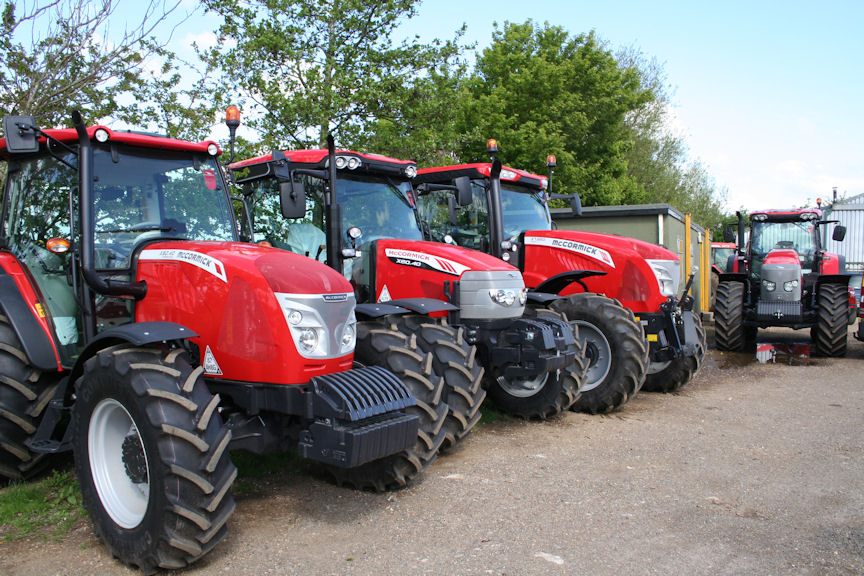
x=134 y=459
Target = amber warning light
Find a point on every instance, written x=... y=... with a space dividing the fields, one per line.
x=491 y=146
x=232 y=116
x=57 y=245
x=551 y=161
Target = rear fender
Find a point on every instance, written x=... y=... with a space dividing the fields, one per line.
x=38 y=347
x=137 y=334
x=54 y=433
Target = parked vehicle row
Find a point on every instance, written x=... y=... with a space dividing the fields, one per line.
x=355 y=311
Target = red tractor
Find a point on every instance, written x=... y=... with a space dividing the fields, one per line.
x=722 y=254
x=140 y=333
x=783 y=277
x=356 y=212
x=604 y=279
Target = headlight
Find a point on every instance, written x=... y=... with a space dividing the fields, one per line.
x=308 y=339
x=349 y=335
x=523 y=296
x=503 y=297
x=790 y=286
x=768 y=285
x=321 y=325
x=668 y=274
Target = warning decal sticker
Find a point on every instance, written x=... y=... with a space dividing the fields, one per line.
x=210 y=364
x=425 y=261
x=202 y=261
x=576 y=247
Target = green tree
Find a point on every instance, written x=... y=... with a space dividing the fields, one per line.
x=59 y=54
x=309 y=67
x=538 y=90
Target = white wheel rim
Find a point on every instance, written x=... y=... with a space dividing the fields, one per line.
x=523 y=388
x=124 y=500
x=601 y=362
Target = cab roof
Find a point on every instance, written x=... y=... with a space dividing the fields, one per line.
x=440 y=174
x=70 y=135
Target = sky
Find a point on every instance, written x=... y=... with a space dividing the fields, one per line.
x=767 y=94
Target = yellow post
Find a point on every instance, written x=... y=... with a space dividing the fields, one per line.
x=706 y=273
x=688 y=265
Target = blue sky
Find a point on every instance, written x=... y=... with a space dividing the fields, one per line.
x=768 y=94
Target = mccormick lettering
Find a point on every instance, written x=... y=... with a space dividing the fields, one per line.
x=572 y=246
x=425 y=261
x=202 y=261
x=335 y=297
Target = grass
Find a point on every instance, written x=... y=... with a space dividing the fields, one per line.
x=50 y=506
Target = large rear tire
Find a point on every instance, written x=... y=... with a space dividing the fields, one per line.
x=679 y=371
x=24 y=394
x=456 y=360
x=830 y=333
x=729 y=331
x=151 y=457
x=545 y=396
x=386 y=342
x=616 y=351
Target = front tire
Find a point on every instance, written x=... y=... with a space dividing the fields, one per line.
x=616 y=351
x=830 y=333
x=386 y=342
x=546 y=395
x=151 y=457
x=456 y=360
x=729 y=331
x=24 y=394
x=680 y=370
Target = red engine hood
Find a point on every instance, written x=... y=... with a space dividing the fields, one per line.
x=284 y=271
x=445 y=258
x=781 y=257
x=610 y=243
x=627 y=275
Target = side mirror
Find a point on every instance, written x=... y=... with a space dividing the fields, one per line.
x=728 y=234
x=463 y=190
x=292 y=199
x=576 y=204
x=839 y=233
x=452 y=211
x=20 y=134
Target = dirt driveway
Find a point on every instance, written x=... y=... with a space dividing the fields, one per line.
x=752 y=469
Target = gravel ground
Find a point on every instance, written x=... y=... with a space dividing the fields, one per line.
x=751 y=469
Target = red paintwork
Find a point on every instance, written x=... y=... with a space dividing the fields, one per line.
x=131 y=138
x=781 y=257
x=404 y=281
x=830 y=263
x=12 y=267
x=233 y=308
x=723 y=245
x=315 y=157
x=631 y=280
x=787 y=212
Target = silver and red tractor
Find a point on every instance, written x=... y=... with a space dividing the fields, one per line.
x=356 y=211
x=140 y=332
x=783 y=276
x=605 y=280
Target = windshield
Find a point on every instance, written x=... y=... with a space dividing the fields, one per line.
x=141 y=195
x=522 y=209
x=720 y=257
x=799 y=236
x=378 y=206
x=375 y=204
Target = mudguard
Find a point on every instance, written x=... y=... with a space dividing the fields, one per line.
x=555 y=284
x=37 y=346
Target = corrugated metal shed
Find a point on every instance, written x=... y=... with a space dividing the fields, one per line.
x=850 y=213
